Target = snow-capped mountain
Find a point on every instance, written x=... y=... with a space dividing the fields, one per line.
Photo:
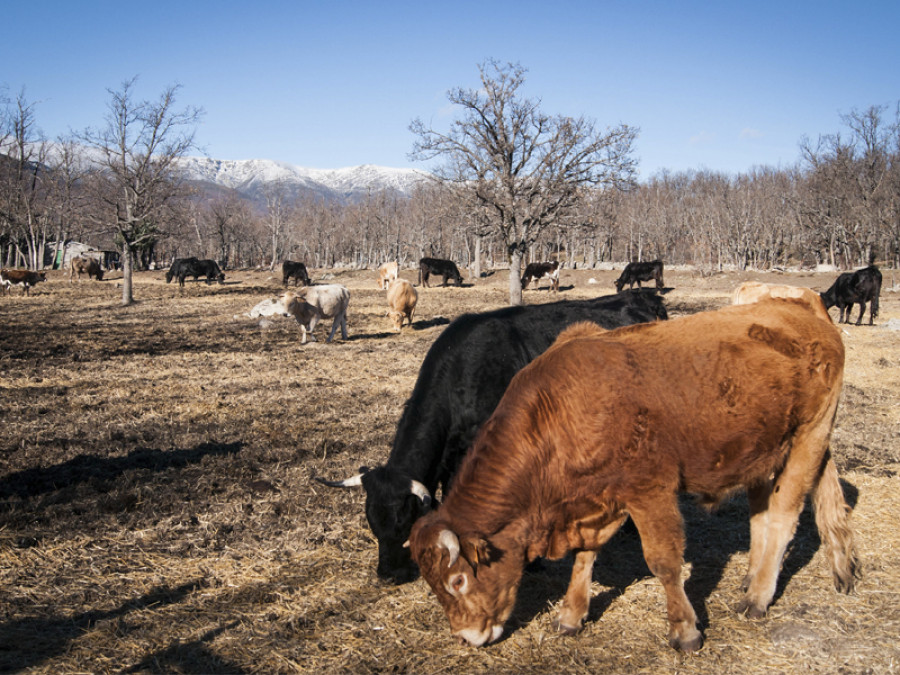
x=252 y=177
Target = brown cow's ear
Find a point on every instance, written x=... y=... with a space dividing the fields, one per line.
x=477 y=551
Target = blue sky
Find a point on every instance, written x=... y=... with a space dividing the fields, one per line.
x=722 y=85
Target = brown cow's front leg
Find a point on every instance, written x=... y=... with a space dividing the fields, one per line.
x=662 y=537
x=578 y=597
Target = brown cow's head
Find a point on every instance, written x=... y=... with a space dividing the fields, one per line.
x=475 y=582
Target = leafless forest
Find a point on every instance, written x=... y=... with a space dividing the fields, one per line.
x=839 y=204
x=158 y=513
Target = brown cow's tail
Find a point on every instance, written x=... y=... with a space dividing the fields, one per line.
x=833 y=522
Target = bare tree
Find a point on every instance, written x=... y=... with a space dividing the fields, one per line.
x=524 y=166
x=136 y=157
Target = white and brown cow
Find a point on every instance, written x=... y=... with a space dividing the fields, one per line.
x=535 y=271
x=311 y=304
x=24 y=278
x=402 y=299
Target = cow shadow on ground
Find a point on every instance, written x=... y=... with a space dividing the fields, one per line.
x=712 y=539
x=416 y=326
x=38 y=481
x=30 y=641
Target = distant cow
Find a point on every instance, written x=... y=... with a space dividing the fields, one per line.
x=463 y=376
x=754 y=291
x=311 y=304
x=610 y=425
x=857 y=287
x=541 y=270
x=192 y=267
x=438 y=267
x=24 y=278
x=387 y=273
x=636 y=272
x=88 y=266
x=402 y=298
x=295 y=270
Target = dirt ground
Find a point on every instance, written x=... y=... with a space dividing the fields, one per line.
x=158 y=513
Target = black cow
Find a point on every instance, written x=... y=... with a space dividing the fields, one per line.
x=640 y=271
x=439 y=267
x=535 y=271
x=858 y=287
x=462 y=378
x=297 y=270
x=192 y=267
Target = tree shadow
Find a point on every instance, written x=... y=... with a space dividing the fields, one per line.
x=30 y=641
x=193 y=657
x=85 y=468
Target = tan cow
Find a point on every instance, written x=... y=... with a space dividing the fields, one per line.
x=754 y=291
x=387 y=273
x=402 y=298
x=84 y=265
x=610 y=425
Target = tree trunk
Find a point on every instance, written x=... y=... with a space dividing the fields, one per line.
x=476 y=263
x=127 y=266
x=515 y=275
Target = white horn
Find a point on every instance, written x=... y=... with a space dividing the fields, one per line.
x=353 y=481
x=420 y=491
x=449 y=541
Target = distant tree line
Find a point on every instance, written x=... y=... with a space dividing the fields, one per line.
x=119 y=186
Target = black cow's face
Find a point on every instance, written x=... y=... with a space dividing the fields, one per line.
x=391 y=509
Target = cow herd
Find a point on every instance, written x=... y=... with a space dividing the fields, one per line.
x=539 y=430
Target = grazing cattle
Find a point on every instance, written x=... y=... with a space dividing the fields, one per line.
x=387 y=273
x=541 y=270
x=858 y=287
x=24 y=278
x=192 y=267
x=754 y=291
x=311 y=304
x=607 y=425
x=295 y=270
x=402 y=298
x=641 y=271
x=88 y=266
x=438 y=267
x=463 y=376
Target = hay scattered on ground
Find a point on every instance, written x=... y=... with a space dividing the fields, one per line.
x=157 y=512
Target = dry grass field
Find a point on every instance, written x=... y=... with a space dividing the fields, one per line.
x=158 y=513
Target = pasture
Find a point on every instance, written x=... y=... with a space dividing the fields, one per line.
x=158 y=511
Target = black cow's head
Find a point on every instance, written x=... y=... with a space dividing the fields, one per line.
x=393 y=503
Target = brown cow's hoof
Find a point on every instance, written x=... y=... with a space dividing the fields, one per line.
x=751 y=610
x=689 y=645
x=564 y=629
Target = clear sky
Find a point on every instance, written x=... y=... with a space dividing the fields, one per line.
x=717 y=84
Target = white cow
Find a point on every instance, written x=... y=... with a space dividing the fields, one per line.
x=311 y=304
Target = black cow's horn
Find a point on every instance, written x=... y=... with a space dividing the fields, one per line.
x=420 y=491
x=353 y=481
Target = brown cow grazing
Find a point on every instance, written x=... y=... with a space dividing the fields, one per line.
x=387 y=273
x=402 y=298
x=754 y=291
x=24 y=278
x=88 y=266
x=607 y=425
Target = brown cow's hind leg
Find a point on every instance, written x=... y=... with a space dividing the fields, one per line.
x=758 y=497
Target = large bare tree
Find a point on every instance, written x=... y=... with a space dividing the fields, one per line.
x=136 y=153
x=524 y=166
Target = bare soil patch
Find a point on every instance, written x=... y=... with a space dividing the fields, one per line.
x=158 y=513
